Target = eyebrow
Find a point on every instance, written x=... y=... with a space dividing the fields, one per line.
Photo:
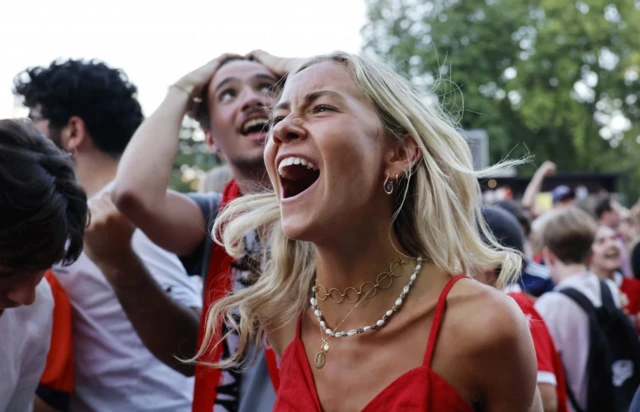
x=259 y=76
x=311 y=97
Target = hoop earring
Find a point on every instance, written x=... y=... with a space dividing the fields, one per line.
x=388 y=185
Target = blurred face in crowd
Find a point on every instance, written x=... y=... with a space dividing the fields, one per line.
x=611 y=218
x=239 y=98
x=627 y=227
x=605 y=259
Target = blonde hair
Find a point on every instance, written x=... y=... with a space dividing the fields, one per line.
x=437 y=214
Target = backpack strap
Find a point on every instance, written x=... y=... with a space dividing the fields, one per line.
x=581 y=300
x=606 y=296
x=590 y=310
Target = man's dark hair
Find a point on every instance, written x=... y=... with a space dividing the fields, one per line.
x=511 y=207
x=603 y=206
x=43 y=209
x=201 y=112
x=101 y=96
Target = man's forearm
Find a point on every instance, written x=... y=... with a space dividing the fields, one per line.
x=168 y=329
x=144 y=171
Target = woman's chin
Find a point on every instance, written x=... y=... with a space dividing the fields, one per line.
x=295 y=231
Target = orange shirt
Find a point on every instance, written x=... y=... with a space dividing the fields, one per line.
x=56 y=384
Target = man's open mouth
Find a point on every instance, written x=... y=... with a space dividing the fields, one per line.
x=296 y=175
x=257 y=125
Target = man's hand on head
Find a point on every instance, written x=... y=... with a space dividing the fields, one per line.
x=195 y=82
x=280 y=66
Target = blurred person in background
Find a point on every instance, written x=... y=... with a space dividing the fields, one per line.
x=231 y=97
x=606 y=260
x=90 y=111
x=607 y=213
x=560 y=196
x=535 y=279
x=551 y=383
x=597 y=343
x=43 y=214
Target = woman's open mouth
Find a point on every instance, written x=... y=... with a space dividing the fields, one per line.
x=296 y=175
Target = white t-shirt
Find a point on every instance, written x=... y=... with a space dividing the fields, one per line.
x=114 y=371
x=569 y=326
x=25 y=336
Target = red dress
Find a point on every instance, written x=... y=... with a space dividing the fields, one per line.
x=419 y=389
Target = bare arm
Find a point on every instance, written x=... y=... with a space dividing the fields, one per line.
x=548 y=396
x=528 y=199
x=167 y=328
x=171 y=220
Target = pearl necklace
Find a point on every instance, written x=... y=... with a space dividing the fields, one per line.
x=321 y=356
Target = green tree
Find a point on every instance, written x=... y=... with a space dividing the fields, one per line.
x=193 y=158
x=555 y=78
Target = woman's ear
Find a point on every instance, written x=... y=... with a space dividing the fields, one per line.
x=402 y=156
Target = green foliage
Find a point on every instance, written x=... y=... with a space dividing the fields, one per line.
x=193 y=158
x=555 y=78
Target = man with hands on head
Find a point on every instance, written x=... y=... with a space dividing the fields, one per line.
x=230 y=97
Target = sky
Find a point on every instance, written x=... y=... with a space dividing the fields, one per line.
x=156 y=42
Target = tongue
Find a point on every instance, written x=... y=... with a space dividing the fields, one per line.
x=297 y=179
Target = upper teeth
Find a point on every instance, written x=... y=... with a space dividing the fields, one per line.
x=254 y=122
x=288 y=161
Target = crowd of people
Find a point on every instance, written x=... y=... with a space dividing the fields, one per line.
x=345 y=262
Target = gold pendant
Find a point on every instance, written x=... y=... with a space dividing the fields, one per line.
x=321 y=356
x=320 y=359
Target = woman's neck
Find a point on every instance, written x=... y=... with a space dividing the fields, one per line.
x=343 y=267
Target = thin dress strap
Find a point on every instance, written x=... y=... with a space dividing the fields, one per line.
x=437 y=319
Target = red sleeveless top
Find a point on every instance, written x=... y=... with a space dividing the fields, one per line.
x=420 y=389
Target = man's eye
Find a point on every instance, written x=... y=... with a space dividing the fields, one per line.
x=227 y=94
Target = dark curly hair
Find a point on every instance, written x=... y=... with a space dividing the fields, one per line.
x=101 y=96
x=43 y=209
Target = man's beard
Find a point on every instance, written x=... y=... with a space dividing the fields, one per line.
x=252 y=166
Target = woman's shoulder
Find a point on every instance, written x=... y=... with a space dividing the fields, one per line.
x=486 y=331
x=484 y=318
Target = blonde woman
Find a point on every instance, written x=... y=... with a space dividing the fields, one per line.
x=372 y=216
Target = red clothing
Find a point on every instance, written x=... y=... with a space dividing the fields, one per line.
x=631 y=288
x=218 y=284
x=419 y=389
x=549 y=364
